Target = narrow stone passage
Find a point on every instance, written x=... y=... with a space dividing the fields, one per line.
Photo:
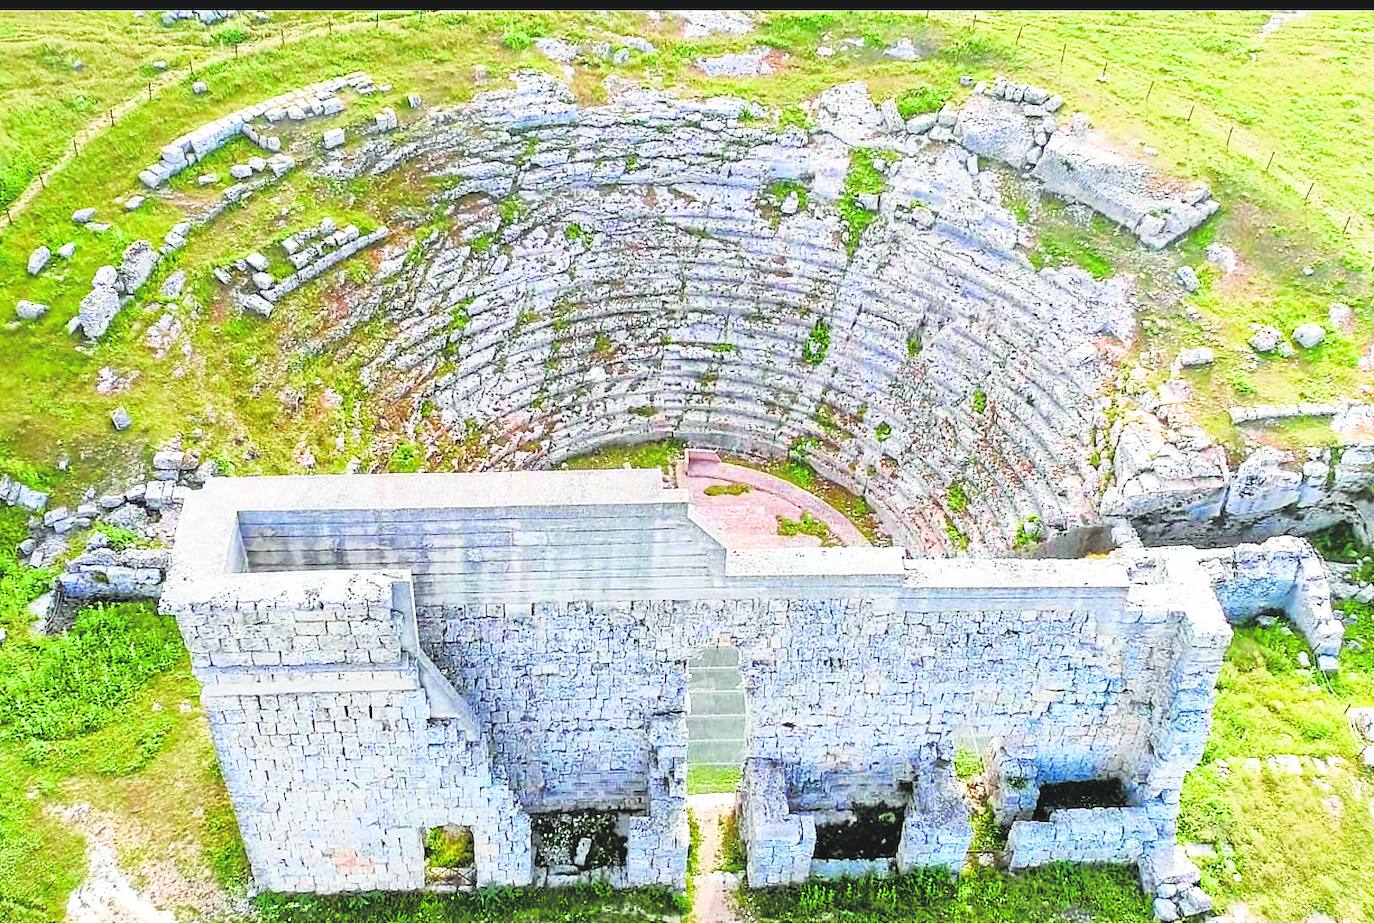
x=713 y=891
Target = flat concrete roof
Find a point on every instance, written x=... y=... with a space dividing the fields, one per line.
x=449 y=491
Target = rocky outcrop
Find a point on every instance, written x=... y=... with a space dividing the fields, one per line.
x=1084 y=168
x=1175 y=485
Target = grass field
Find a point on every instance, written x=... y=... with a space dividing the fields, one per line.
x=1276 y=124
x=1232 y=78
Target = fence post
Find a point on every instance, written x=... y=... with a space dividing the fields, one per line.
x=1103 y=75
x=1150 y=90
x=1308 y=194
x=1271 y=161
x=150 y=90
x=1229 y=132
x=1190 y=112
x=1018 y=34
x=1343 y=230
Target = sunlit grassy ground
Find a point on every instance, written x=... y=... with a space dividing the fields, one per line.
x=1281 y=845
x=1287 y=846
x=1231 y=77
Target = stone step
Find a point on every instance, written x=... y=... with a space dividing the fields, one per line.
x=714 y=678
x=716 y=657
x=715 y=702
x=715 y=751
x=715 y=727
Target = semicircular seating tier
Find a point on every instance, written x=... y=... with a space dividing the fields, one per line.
x=657 y=267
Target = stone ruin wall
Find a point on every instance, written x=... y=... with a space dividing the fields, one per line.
x=385 y=654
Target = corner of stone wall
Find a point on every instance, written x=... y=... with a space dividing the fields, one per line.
x=1108 y=835
x=779 y=845
x=936 y=831
x=1283 y=573
x=656 y=851
x=1013 y=780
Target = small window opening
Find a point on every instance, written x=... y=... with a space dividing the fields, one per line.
x=449 y=856
x=1093 y=793
x=871 y=831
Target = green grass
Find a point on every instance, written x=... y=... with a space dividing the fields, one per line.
x=489 y=905
x=807 y=525
x=732 y=854
x=1092 y=243
x=797 y=471
x=1052 y=894
x=817 y=344
x=703 y=779
x=862 y=178
x=660 y=454
x=406 y=458
x=967 y=763
x=101 y=716
x=726 y=490
x=956 y=497
x=1278 y=847
x=920 y=99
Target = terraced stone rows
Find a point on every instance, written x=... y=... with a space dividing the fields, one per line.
x=567 y=344
x=602 y=316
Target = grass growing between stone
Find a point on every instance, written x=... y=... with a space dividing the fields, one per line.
x=1287 y=837
x=1053 y=894
x=660 y=455
x=489 y=905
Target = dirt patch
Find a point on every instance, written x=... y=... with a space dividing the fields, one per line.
x=177 y=880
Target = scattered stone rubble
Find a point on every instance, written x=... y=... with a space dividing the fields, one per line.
x=1176 y=485
x=112 y=289
x=759 y=62
x=318 y=99
x=311 y=252
x=204 y=17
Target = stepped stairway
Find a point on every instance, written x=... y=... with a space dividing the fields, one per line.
x=715 y=709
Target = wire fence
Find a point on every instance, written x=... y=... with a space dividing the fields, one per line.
x=1042 y=46
x=1157 y=100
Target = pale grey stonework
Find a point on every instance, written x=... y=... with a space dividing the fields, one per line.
x=384 y=654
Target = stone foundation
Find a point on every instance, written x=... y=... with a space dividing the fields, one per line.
x=385 y=654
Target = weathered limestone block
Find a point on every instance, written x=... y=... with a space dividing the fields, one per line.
x=781 y=845
x=996 y=128
x=1084 y=169
x=936 y=830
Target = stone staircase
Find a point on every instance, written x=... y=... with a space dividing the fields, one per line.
x=715 y=709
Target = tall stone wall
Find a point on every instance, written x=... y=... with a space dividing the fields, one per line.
x=383 y=654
